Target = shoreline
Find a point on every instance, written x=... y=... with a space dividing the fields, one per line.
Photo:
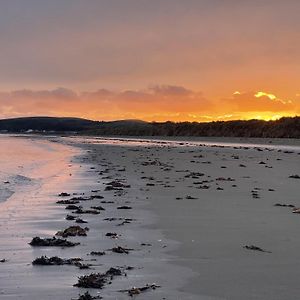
x=147 y=268
x=190 y=236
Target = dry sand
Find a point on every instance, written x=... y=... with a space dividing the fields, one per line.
x=194 y=207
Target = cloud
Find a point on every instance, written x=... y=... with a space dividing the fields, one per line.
x=158 y=102
x=117 y=44
x=170 y=90
x=258 y=102
x=152 y=103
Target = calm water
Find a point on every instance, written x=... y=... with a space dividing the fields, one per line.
x=26 y=162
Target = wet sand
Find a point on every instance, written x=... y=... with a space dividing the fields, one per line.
x=193 y=210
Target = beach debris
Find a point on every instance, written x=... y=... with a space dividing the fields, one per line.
x=82 y=266
x=55 y=261
x=121 y=250
x=188 y=197
x=80 y=221
x=88 y=296
x=295 y=176
x=73 y=231
x=70 y=217
x=116 y=185
x=86 y=211
x=168 y=186
x=296 y=210
x=124 y=207
x=97 y=197
x=111 y=188
x=255 y=194
x=81 y=198
x=73 y=207
x=194 y=175
x=203 y=187
x=138 y=290
x=98 y=280
x=67 y=202
x=114 y=272
x=225 y=179
x=97 y=207
x=112 y=219
x=112 y=235
x=152 y=163
x=51 y=242
x=284 y=205
x=126 y=221
x=255 y=248
x=94 y=280
x=63 y=194
x=149 y=177
x=97 y=253
x=146 y=244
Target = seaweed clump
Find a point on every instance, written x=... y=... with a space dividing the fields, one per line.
x=98 y=280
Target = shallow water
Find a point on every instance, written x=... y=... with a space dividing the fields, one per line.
x=26 y=162
x=33 y=172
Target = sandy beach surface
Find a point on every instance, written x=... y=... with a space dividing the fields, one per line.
x=213 y=219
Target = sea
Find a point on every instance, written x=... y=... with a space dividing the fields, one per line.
x=28 y=165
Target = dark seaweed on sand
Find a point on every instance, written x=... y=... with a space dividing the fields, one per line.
x=51 y=242
x=97 y=280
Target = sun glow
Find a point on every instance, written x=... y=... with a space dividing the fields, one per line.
x=266 y=116
x=263 y=94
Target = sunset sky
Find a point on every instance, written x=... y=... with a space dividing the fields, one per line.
x=196 y=60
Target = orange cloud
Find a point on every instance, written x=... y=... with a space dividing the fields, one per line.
x=156 y=103
x=258 y=101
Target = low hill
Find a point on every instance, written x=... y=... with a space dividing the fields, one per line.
x=282 y=128
x=46 y=124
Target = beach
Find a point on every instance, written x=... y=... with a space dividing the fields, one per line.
x=196 y=218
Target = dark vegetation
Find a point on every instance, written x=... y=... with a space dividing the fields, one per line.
x=282 y=128
x=45 y=124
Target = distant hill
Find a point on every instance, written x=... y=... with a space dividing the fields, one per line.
x=46 y=124
x=282 y=128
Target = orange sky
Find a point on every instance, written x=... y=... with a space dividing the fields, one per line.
x=158 y=103
x=196 y=60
